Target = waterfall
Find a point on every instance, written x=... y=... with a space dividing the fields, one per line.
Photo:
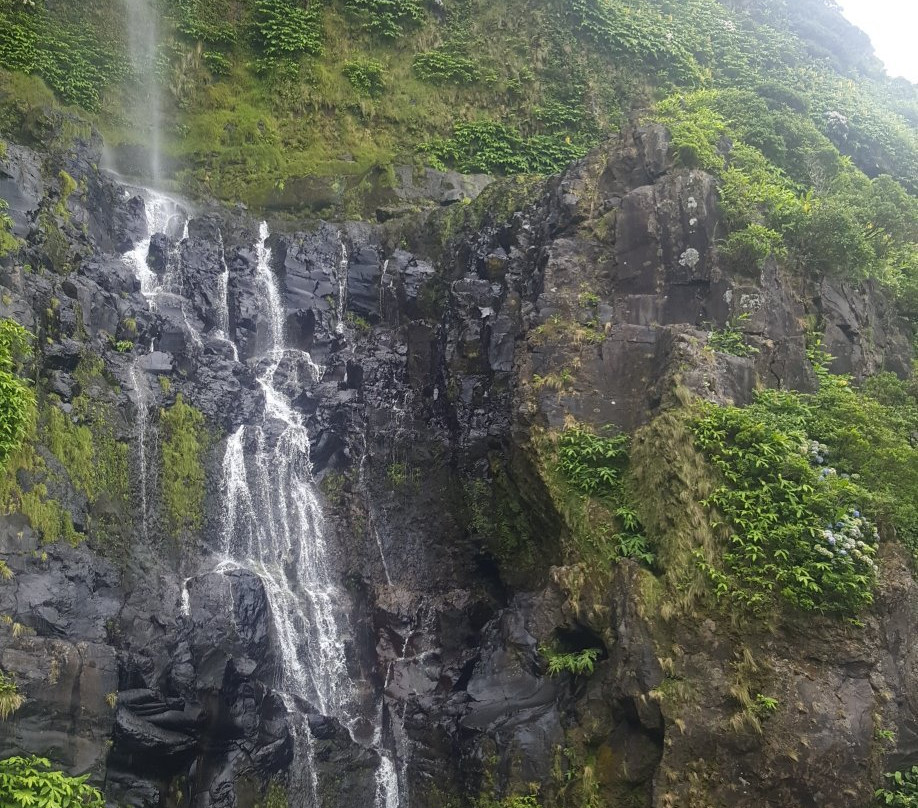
x=141 y=403
x=143 y=42
x=342 y=285
x=273 y=523
x=223 y=318
x=162 y=215
x=272 y=520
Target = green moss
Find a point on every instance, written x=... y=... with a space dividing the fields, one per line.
x=67 y=186
x=96 y=462
x=186 y=440
x=45 y=515
x=275 y=797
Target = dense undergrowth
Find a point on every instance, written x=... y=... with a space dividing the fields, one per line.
x=779 y=504
x=260 y=92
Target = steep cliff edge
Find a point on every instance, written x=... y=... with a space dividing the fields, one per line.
x=452 y=348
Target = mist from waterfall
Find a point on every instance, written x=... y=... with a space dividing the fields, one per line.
x=142 y=22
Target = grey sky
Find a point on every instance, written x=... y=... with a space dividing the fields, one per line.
x=892 y=26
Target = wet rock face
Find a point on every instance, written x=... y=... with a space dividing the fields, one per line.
x=155 y=667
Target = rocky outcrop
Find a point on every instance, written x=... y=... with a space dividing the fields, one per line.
x=151 y=666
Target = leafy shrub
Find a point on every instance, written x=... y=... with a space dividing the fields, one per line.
x=8 y=242
x=788 y=524
x=209 y=21
x=217 y=63
x=365 y=76
x=185 y=441
x=747 y=248
x=637 y=33
x=85 y=443
x=32 y=783
x=75 y=62
x=445 y=66
x=387 y=18
x=731 y=340
x=903 y=790
x=576 y=662
x=594 y=465
x=284 y=29
x=496 y=148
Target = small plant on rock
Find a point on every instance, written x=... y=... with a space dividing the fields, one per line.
x=902 y=791
x=10 y=697
x=576 y=662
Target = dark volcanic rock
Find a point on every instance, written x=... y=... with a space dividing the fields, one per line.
x=422 y=361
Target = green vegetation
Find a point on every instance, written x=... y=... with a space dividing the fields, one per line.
x=787 y=191
x=498 y=516
x=387 y=18
x=365 y=76
x=8 y=242
x=495 y=148
x=589 y=478
x=261 y=93
x=70 y=48
x=902 y=791
x=575 y=663
x=186 y=440
x=793 y=531
x=32 y=783
x=10 y=697
x=446 y=66
x=731 y=340
x=808 y=484
x=513 y=801
x=17 y=401
x=96 y=462
x=275 y=797
x=286 y=30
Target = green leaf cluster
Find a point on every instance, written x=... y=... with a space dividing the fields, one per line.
x=77 y=62
x=365 y=76
x=902 y=791
x=10 y=697
x=446 y=66
x=32 y=783
x=387 y=18
x=596 y=467
x=731 y=340
x=496 y=148
x=576 y=662
x=86 y=445
x=776 y=502
x=593 y=464
x=8 y=242
x=208 y=21
x=185 y=442
x=286 y=30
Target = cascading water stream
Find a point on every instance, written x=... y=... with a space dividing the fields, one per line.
x=162 y=214
x=274 y=527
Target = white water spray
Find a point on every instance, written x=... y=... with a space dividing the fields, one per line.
x=143 y=43
x=273 y=526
